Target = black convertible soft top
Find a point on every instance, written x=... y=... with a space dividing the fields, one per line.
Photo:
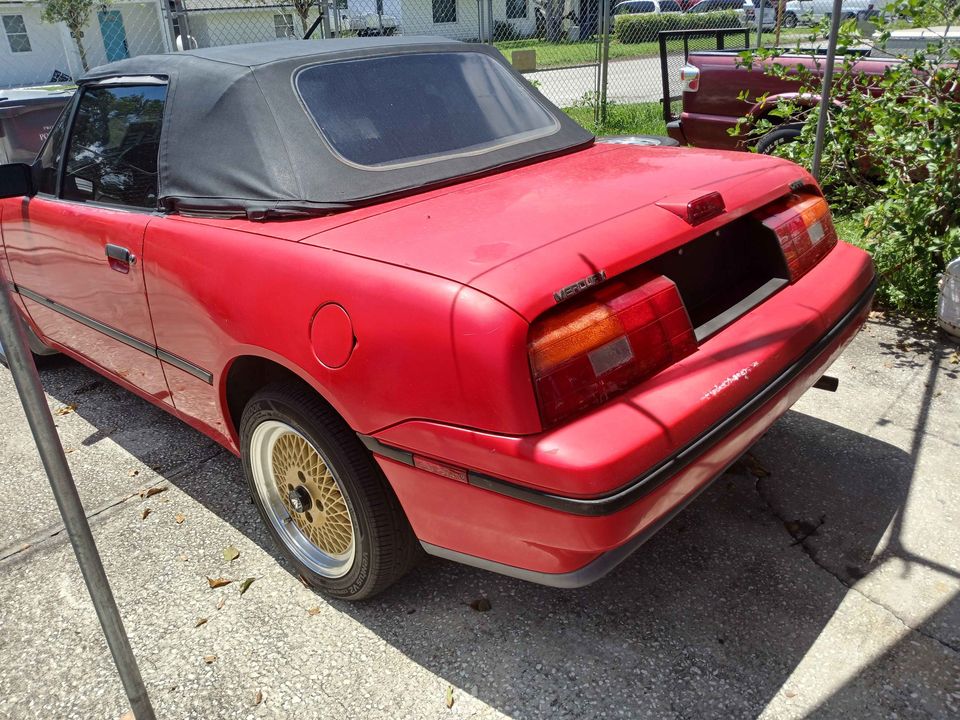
x=260 y=130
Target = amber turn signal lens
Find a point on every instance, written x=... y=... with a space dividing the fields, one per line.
x=804 y=227
x=596 y=347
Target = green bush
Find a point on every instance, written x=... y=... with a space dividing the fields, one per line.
x=891 y=156
x=646 y=27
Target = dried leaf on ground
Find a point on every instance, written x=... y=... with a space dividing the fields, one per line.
x=151 y=491
x=144 y=513
x=133 y=473
x=179 y=518
x=481 y=604
x=209 y=659
x=230 y=554
x=245 y=585
x=200 y=621
x=221 y=602
x=65 y=410
x=449 y=696
x=258 y=698
x=218 y=582
x=955 y=358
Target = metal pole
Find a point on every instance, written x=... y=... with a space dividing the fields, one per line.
x=827 y=87
x=35 y=407
x=490 y=22
x=325 y=20
x=759 y=15
x=604 y=61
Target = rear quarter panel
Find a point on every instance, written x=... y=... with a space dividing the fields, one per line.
x=425 y=346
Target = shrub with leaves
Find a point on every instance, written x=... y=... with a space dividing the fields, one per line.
x=646 y=26
x=892 y=147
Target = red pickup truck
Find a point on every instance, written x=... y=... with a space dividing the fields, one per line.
x=712 y=85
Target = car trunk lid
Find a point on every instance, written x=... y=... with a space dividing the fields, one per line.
x=524 y=235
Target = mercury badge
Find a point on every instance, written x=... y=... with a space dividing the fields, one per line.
x=579 y=286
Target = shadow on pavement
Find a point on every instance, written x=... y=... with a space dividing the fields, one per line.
x=710 y=618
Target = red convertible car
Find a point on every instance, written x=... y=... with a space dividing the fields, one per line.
x=427 y=311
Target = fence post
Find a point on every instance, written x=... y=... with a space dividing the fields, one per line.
x=325 y=6
x=827 y=87
x=27 y=380
x=604 y=60
x=759 y=16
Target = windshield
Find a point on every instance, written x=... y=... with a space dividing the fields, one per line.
x=418 y=108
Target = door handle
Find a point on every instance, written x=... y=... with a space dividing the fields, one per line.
x=120 y=254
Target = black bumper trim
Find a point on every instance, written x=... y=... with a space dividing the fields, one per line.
x=657 y=475
x=589 y=573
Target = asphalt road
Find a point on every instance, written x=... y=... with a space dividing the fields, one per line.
x=826 y=587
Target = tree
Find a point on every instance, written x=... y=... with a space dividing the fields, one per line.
x=303 y=10
x=75 y=14
x=891 y=161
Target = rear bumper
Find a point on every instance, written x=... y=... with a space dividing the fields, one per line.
x=548 y=533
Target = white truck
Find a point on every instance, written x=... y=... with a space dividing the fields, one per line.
x=806 y=12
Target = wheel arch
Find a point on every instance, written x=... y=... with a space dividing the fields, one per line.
x=246 y=374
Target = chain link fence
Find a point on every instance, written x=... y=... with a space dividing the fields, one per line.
x=598 y=59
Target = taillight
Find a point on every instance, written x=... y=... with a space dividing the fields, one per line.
x=591 y=349
x=804 y=227
x=690 y=78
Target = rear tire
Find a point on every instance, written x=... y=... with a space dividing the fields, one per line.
x=789 y=20
x=768 y=144
x=324 y=500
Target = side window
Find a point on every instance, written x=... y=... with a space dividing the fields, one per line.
x=16 y=31
x=283 y=25
x=49 y=157
x=113 y=146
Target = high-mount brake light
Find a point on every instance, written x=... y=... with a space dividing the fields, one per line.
x=695 y=211
x=804 y=227
x=593 y=348
x=690 y=78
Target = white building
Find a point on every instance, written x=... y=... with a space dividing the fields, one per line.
x=32 y=51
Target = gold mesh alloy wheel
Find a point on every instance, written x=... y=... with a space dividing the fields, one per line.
x=322 y=513
x=303 y=499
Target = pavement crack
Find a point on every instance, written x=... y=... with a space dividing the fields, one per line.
x=808 y=529
x=10 y=553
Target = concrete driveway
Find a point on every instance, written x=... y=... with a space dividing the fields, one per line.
x=819 y=578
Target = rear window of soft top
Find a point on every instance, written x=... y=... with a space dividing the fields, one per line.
x=408 y=109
